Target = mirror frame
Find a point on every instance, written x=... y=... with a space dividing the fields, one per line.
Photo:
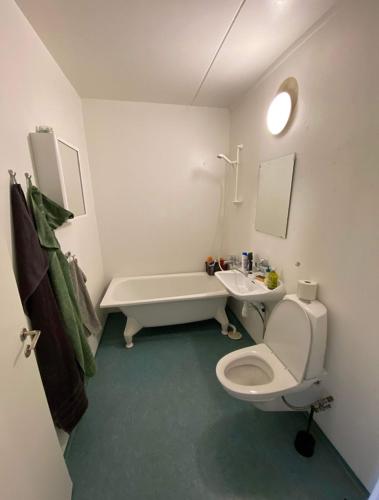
x=62 y=178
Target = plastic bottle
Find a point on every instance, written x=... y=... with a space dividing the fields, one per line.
x=271 y=279
x=244 y=262
x=250 y=258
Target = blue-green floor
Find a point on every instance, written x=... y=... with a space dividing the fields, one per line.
x=160 y=427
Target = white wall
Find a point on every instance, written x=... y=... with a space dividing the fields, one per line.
x=34 y=91
x=333 y=225
x=157 y=183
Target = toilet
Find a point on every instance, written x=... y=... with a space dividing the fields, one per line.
x=290 y=359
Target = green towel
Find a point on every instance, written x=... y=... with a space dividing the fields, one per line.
x=48 y=216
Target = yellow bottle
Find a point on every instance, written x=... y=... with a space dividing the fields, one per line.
x=271 y=279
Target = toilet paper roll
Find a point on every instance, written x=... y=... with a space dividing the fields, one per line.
x=307 y=290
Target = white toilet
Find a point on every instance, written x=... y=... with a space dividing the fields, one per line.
x=290 y=359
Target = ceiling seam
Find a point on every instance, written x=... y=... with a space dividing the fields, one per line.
x=217 y=52
x=271 y=68
x=309 y=33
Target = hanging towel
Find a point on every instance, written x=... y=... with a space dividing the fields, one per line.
x=61 y=376
x=48 y=216
x=88 y=314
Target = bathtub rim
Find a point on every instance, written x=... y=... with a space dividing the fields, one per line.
x=109 y=302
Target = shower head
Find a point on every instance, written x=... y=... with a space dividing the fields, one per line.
x=223 y=157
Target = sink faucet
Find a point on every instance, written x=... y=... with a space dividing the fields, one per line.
x=244 y=272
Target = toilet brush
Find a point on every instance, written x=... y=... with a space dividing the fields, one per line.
x=304 y=441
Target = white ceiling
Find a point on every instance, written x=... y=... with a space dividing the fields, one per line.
x=161 y=50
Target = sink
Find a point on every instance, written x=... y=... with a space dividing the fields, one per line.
x=248 y=288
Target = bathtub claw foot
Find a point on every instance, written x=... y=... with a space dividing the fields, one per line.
x=129 y=343
x=132 y=327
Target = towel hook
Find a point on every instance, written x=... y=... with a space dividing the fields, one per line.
x=13 y=176
x=28 y=177
x=70 y=255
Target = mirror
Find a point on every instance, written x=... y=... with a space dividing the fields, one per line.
x=274 y=195
x=72 y=178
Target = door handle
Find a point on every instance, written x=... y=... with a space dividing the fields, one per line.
x=34 y=336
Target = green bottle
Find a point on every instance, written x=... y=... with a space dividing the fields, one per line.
x=271 y=279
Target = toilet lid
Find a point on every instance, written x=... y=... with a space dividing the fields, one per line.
x=289 y=336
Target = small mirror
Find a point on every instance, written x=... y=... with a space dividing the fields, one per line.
x=72 y=178
x=274 y=195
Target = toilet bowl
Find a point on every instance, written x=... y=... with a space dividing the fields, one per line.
x=290 y=359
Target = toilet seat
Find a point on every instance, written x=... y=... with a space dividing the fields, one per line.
x=255 y=374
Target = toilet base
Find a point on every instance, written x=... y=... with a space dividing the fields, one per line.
x=307 y=392
x=272 y=405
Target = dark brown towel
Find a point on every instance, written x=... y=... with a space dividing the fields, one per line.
x=61 y=376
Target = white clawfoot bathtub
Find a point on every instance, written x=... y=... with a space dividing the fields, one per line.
x=167 y=299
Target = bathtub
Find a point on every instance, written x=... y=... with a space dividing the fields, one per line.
x=167 y=299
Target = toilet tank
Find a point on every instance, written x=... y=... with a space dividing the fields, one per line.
x=296 y=333
x=317 y=314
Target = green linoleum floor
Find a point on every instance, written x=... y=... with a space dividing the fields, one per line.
x=160 y=427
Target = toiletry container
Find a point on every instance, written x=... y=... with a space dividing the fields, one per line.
x=271 y=279
x=250 y=258
x=244 y=262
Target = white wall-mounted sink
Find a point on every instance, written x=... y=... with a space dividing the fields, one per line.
x=249 y=289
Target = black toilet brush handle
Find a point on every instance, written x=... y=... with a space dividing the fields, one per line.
x=310 y=418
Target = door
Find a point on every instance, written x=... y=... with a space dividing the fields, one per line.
x=32 y=466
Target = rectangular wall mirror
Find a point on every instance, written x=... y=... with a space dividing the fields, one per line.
x=69 y=157
x=274 y=195
x=57 y=168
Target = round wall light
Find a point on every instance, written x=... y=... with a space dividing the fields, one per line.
x=281 y=107
x=279 y=113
